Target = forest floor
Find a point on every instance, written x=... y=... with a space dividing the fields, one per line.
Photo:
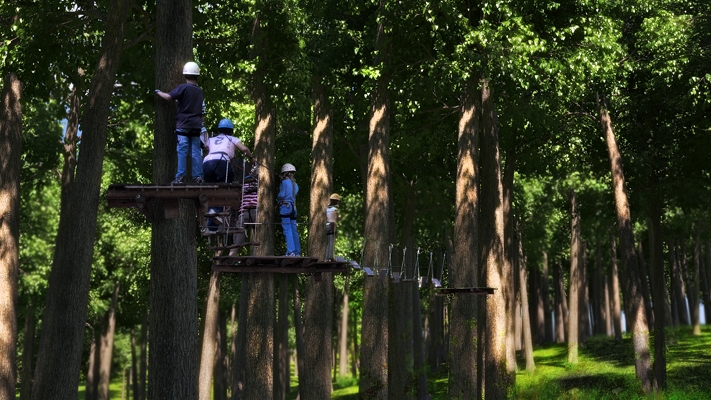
x=605 y=370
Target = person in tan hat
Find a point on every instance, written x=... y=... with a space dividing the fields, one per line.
x=331 y=222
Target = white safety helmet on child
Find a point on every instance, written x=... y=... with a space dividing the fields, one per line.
x=226 y=124
x=288 y=168
x=191 y=68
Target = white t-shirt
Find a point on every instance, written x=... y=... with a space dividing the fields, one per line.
x=221 y=146
x=331 y=214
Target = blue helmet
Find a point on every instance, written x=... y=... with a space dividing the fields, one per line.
x=225 y=124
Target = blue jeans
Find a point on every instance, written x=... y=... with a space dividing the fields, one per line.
x=196 y=154
x=291 y=235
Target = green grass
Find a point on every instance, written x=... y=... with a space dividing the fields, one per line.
x=605 y=370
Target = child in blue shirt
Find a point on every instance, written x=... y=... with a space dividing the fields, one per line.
x=288 y=189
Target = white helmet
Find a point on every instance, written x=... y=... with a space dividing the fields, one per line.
x=288 y=168
x=191 y=68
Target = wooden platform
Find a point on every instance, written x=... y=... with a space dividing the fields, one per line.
x=476 y=291
x=278 y=264
x=205 y=195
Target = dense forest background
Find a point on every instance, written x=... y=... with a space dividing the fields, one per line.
x=557 y=151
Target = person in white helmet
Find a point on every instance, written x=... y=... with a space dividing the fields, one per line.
x=287 y=209
x=331 y=223
x=188 y=122
x=221 y=148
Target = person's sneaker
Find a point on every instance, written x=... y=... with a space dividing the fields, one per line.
x=178 y=179
x=199 y=180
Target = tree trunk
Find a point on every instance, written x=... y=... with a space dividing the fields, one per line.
x=92 y=370
x=526 y=321
x=299 y=334
x=240 y=350
x=281 y=342
x=644 y=277
x=660 y=292
x=209 y=336
x=497 y=379
x=559 y=301
x=678 y=299
x=10 y=165
x=509 y=252
x=28 y=353
x=707 y=289
x=143 y=361
x=59 y=356
x=608 y=307
x=598 y=295
x=615 y=286
x=545 y=291
x=107 y=347
x=221 y=375
x=584 y=314
x=420 y=369
x=315 y=381
x=638 y=317
x=575 y=279
x=173 y=359
x=134 y=367
x=694 y=298
x=343 y=333
x=373 y=382
x=259 y=374
x=464 y=265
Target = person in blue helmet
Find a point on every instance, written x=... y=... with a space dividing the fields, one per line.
x=288 y=190
x=188 y=121
x=221 y=149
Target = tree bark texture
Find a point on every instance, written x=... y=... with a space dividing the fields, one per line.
x=637 y=316
x=559 y=291
x=299 y=331
x=315 y=381
x=464 y=265
x=92 y=370
x=343 y=332
x=107 y=347
x=660 y=292
x=373 y=382
x=497 y=377
x=644 y=277
x=240 y=350
x=173 y=357
x=510 y=252
x=221 y=376
x=10 y=165
x=28 y=354
x=281 y=342
x=545 y=292
x=62 y=338
x=575 y=278
x=259 y=374
x=526 y=321
x=694 y=298
x=209 y=337
x=615 y=288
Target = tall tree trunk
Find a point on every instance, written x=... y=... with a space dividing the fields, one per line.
x=173 y=359
x=678 y=298
x=638 y=316
x=315 y=382
x=28 y=353
x=509 y=251
x=221 y=376
x=559 y=301
x=281 y=343
x=259 y=376
x=62 y=338
x=420 y=369
x=143 y=360
x=707 y=288
x=526 y=321
x=573 y=306
x=694 y=298
x=299 y=333
x=10 y=164
x=598 y=296
x=608 y=307
x=134 y=367
x=584 y=304
x=92 y=370
x=660 y=292
x=644 y=277
x=373 y=382
x=209 y=336
x=343 y=333
x=464 y=265
x=240 y=348
x=497 y=379
x=107 y=347
x=545 y=291
x=615 y=287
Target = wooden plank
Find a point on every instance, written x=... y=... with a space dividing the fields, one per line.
x=465 y=291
